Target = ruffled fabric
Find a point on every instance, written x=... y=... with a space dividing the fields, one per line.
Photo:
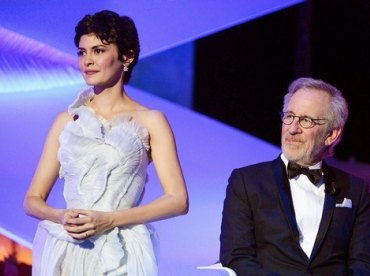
x=103 y=164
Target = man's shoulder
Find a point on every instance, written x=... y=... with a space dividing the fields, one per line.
x=348 y=184
x=263 y=171
x=257 y=176
x=266 y=165
x=256 y=166
x=340 y=173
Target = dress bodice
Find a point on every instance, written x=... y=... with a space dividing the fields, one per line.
x=103 y=162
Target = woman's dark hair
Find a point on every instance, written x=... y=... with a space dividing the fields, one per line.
x=109 y=27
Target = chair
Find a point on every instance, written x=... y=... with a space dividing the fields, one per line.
x=224 y=271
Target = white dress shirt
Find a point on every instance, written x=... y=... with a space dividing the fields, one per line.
x=308 y=202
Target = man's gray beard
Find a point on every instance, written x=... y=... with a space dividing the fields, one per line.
x=296 y=158
x=302 y=157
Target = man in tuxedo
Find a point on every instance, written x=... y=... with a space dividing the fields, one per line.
x=296 y=215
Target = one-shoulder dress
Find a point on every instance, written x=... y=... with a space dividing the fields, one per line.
x=104 y=168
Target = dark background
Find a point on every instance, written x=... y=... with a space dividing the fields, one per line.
x=242 y=74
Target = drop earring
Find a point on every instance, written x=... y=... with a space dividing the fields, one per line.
x=125 y=68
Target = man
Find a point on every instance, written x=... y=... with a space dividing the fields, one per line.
x=296 y=215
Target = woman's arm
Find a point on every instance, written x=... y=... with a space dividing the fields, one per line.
x=45 y=176
x=164 y=154
x=173 y=202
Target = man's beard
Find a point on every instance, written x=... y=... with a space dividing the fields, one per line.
x=299 y=153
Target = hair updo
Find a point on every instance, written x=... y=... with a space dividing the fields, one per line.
x=109 y=27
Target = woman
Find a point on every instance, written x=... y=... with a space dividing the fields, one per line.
x=101 y=147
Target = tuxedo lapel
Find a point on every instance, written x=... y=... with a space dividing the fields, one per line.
x=328 y=209
x=283 y=186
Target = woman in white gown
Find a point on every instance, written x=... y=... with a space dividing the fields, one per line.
x=101 y=147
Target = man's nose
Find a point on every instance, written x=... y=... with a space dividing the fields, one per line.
x=295 y=127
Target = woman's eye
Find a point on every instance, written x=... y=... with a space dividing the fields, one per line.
x=80 y=53
x=98 y=51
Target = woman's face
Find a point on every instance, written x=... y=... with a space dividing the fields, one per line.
x=99 y=62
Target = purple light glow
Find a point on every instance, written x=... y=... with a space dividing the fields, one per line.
x=28 y=65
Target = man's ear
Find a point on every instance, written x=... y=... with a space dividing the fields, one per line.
x=333 y=136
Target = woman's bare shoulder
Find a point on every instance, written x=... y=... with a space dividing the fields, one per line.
x=151 y=117
x=64 y=117
x=61 y=120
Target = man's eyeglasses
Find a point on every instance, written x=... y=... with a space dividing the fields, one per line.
x=304 y=121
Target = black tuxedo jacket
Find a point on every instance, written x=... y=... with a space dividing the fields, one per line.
x=259 y=232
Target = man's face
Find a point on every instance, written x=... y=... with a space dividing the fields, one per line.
x=306 y=146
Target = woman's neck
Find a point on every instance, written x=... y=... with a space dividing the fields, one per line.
x=109 y=100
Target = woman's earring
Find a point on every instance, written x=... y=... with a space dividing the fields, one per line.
x=125 y=68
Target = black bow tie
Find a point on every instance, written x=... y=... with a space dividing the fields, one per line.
x=313 y=175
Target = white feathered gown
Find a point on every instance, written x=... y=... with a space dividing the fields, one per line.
x=103 y=164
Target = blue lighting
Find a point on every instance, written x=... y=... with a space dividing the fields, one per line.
x=28 y=65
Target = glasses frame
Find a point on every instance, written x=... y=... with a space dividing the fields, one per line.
x=300 y=119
